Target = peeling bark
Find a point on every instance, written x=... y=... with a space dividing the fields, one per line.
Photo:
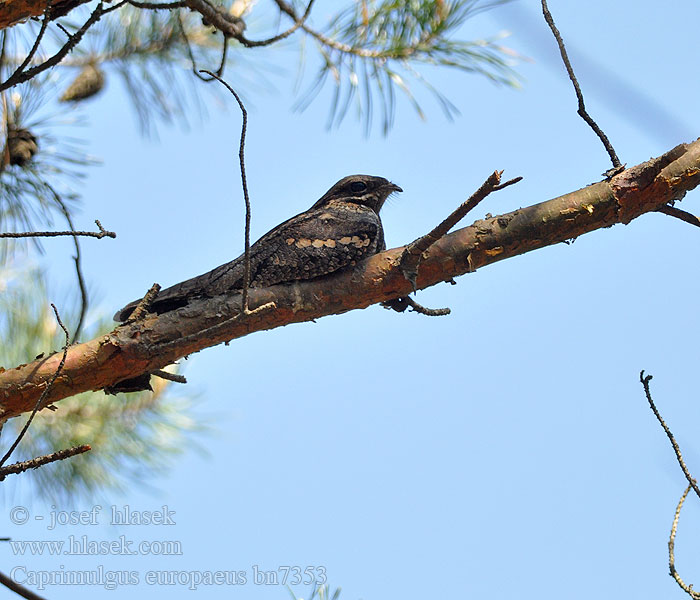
x=14 y=11
x=135 y=348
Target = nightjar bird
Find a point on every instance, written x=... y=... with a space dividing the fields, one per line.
x=338 y=231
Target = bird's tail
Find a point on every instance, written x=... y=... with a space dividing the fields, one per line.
x=217 y=281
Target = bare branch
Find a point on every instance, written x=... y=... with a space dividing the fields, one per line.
x=133 y=349
x=221 y=20
x=233 y=27
x=25 y=75
x=95 y=234
x=18 y=589
x=678 y=213
x=40 y=461
x=143 y=306
x=401 y=304
x=298 y=22
x=244 y=181
x=157 y=5
x=46 y=391
x=77 y=259
x=190 y=54
x=676 y=448
x=688 y=589
x=579 y=95
x=176 y=377
x=37 y=41
x=404 y=53
x=412 y=255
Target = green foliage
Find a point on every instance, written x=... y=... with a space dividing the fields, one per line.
x=26 y=203
x=373 y=50
x=322 y=592
x=148 y=51
x=133 y=437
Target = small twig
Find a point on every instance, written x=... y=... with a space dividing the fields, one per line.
x=691 y=484
x=63 y=29
x=401 y=304
x=298 y=22
x=188 y=48
x=47 y=389
x=96 y=234
x=157 y=5
x=77 y=259
x=37 y=41
x=18 y=589
x=402 y=53
x=214 y=329
x=22 y=76
x=507 y=183
x=177 y=378
x=579 y=95
x=688 y=589
x=234 y=26
x=190 y=53
x=114 y=7
x=224 y=54
x=40 y=461
x=2 y=57
x=428 y=312
x=678 y=213
x=241 y=160
x=145 y=303
x=411 y=257
x=214 y=16
x=645 y=382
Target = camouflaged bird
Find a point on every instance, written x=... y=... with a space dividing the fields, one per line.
x=338 y=231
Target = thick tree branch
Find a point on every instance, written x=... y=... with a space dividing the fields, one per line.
x=158 y=340
x=14 y=11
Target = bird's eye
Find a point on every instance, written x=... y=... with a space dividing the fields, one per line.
x=358 y=186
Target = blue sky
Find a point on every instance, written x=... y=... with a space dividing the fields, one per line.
x=505 y=449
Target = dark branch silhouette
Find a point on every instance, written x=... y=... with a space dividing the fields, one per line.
x=579 y=95
x=676 y=448
x=40 y=461
x=31 y=234
x=45 y=393
x=18 y=589
x=673 y=211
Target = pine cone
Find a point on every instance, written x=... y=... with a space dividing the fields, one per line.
x=89 y=82
x=21 y=146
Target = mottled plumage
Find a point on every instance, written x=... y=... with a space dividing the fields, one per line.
x=339 y=230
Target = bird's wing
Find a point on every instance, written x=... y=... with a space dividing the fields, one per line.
x=311 y=244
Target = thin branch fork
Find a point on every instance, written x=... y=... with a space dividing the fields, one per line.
x=48 y=384
x=101 y=233
x=143 y=306
x=158 y=340
x=582 y=112
x=21 y=75
x=411 y=256
x=644 y=380
x=40 y=461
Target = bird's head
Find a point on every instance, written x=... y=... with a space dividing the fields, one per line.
x=367 y=190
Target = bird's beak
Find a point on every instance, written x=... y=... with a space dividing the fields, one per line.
x=394 y=188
